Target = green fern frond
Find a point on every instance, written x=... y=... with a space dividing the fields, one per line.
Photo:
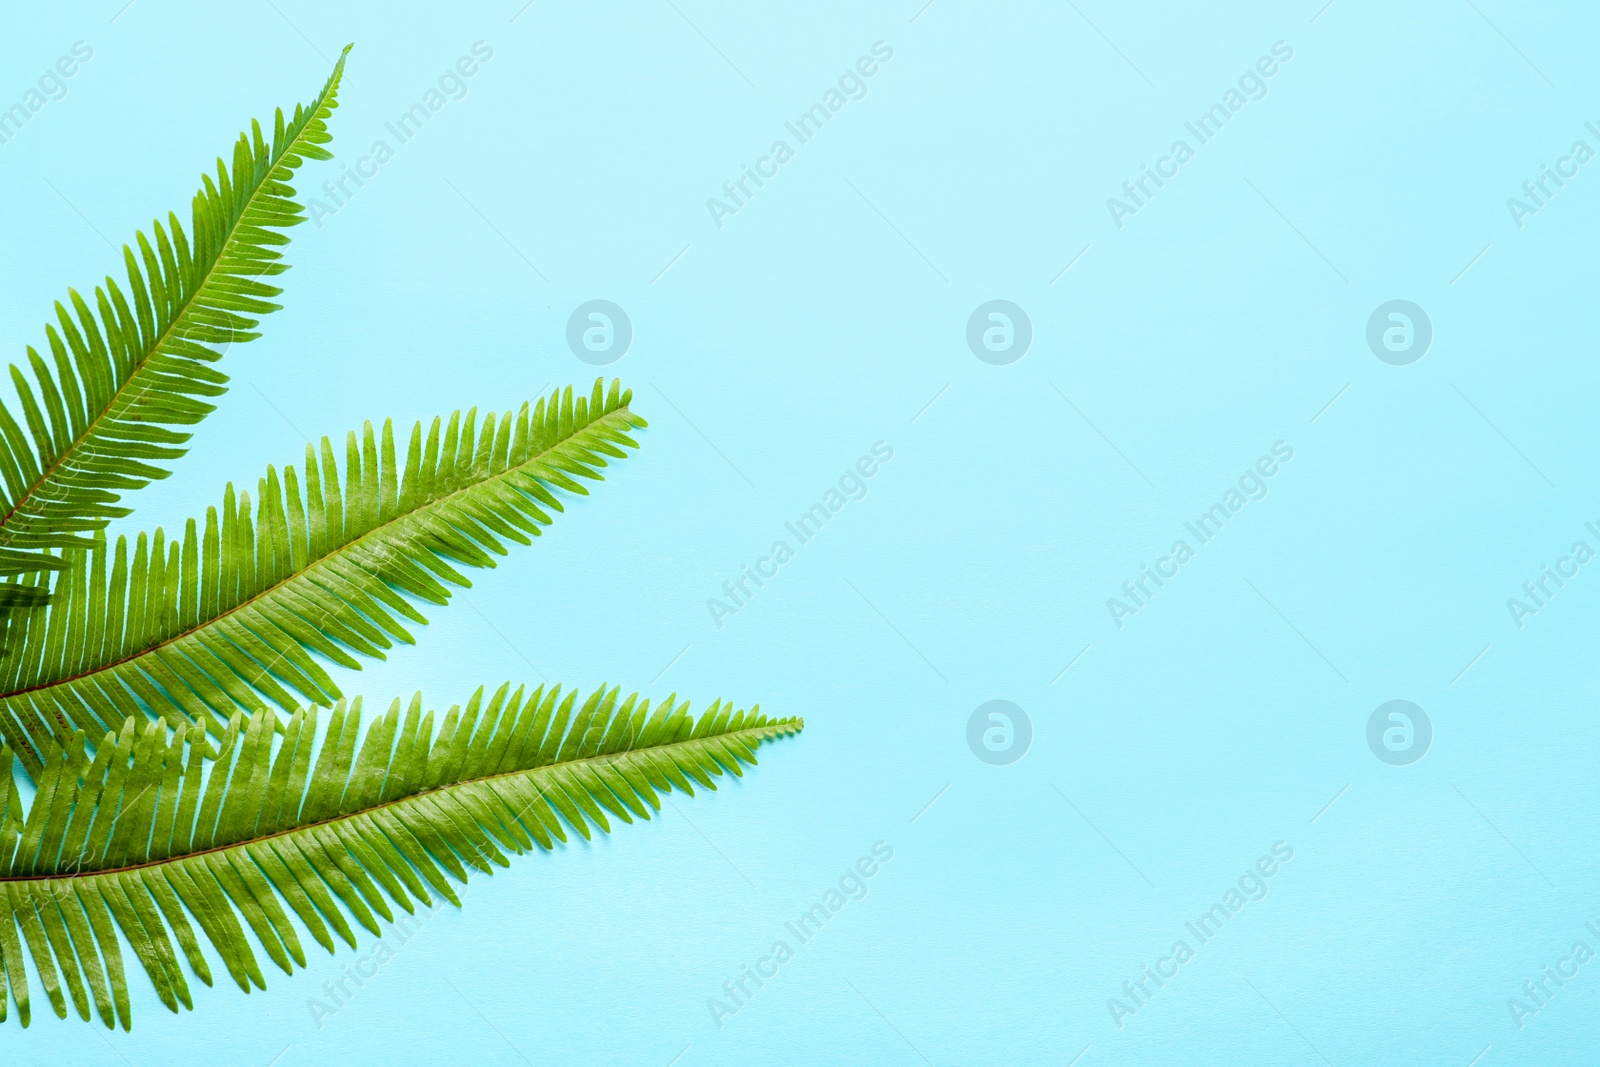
x=98 y=416
x=142 y=840
x=140 y=681
x=231 y=614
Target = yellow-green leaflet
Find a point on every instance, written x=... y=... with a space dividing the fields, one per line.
x=154 y=839
x=326 y=561
x=98 y=416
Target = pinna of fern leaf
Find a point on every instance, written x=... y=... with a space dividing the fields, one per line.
x=151 y=839
x=102 y=413
x=241 y=611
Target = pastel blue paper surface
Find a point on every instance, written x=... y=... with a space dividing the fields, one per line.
x=1399 y=550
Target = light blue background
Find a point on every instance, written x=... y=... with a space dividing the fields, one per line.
x=825 y=316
